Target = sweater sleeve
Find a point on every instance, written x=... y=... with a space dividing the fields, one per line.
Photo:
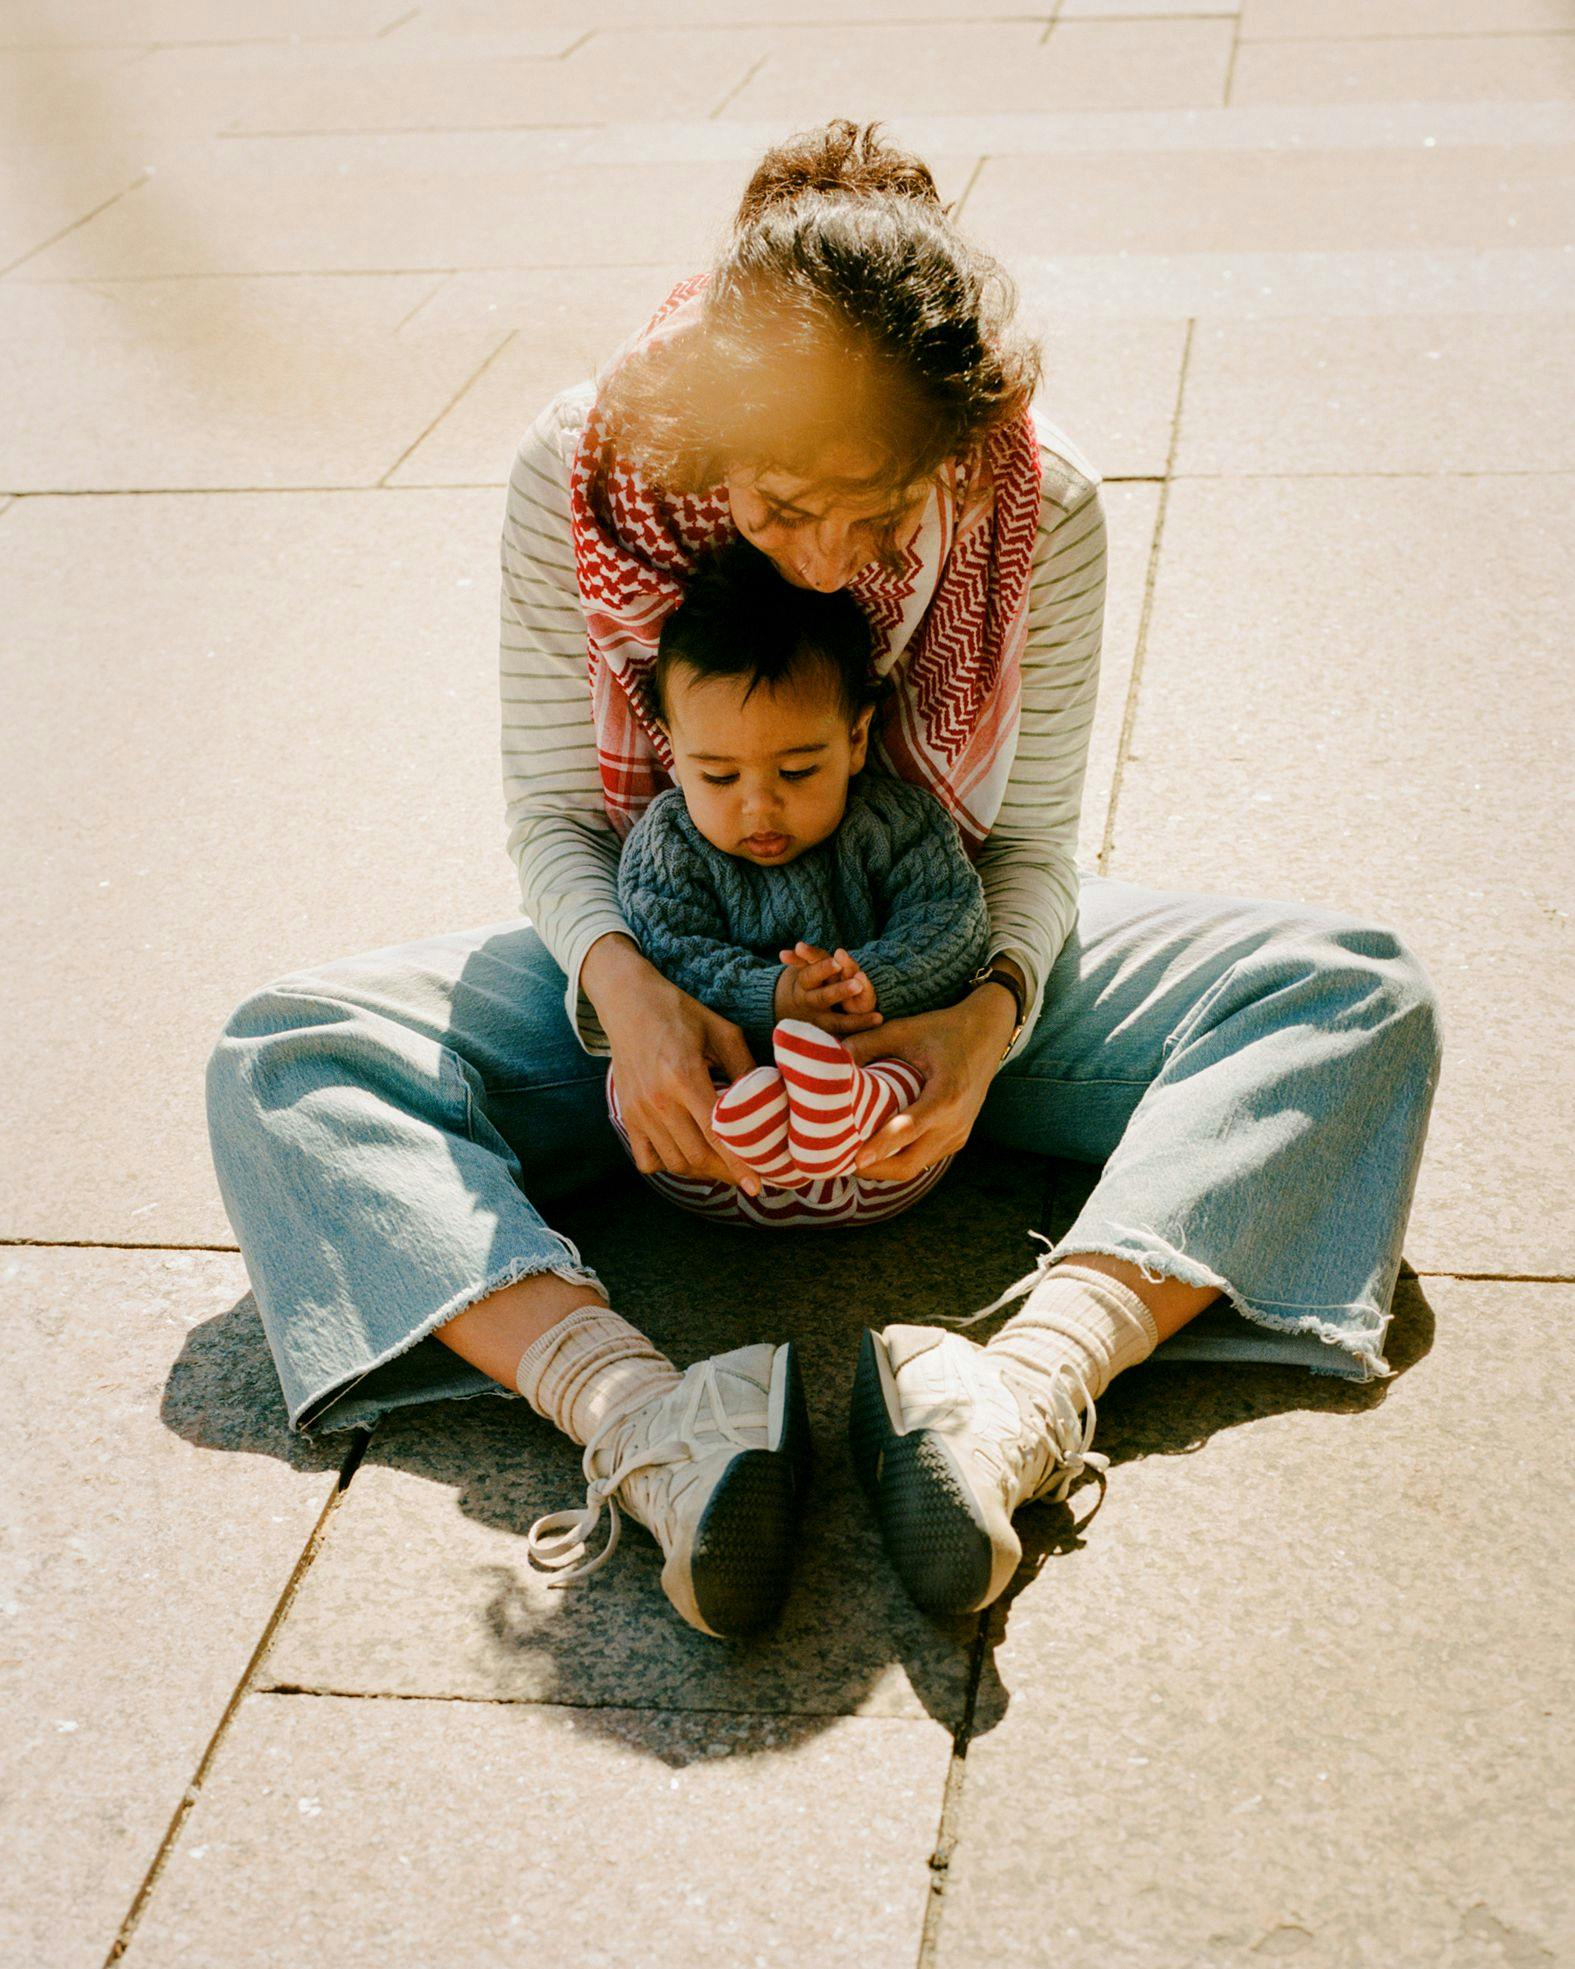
x=672 y=905
x=935 y=925
x=1028 y=863
x=561 y=841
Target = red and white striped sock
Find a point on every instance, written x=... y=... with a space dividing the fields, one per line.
x=751 y=1116
x=833 y=1103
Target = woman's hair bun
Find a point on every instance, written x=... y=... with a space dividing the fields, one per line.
x=839 y=156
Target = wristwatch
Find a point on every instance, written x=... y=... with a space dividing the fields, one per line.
x=994 y=973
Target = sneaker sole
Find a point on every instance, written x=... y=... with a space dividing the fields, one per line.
x=741 y=1566
x=930 y=1521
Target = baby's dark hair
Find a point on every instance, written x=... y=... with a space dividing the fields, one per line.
x=740 y=618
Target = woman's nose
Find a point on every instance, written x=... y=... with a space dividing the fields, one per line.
x=829 y=563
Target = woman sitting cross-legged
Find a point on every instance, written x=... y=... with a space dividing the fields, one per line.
x=846 y=389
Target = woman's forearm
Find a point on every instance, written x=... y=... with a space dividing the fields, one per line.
x=613 y=971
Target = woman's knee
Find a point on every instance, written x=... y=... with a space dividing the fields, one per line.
x=264 y=1044
x=1380 y=971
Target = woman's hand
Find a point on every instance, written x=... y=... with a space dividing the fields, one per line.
x=957 y=1050
x=663 y=1045
x=827 y=988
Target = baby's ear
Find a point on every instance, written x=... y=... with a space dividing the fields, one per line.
x=860 y=738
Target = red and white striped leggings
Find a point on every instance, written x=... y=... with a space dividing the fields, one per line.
x=797 y=1124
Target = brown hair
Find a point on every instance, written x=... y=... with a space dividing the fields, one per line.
x=844 y=306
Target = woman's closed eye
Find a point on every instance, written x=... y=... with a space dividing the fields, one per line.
x=789 y=520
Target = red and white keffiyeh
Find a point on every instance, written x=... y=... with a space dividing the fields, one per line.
x=950 y=627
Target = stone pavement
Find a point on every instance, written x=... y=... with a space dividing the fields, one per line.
x=280 y=286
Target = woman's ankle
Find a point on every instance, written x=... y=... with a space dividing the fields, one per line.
x=495 y=1332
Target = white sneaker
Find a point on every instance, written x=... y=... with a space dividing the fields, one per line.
x=948 y=1441
x=715 y=1468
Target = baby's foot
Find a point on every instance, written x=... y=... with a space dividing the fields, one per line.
x=834 y=1104
x=751 y=1117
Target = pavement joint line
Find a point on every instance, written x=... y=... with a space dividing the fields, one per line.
x=1107 y=844
x=947 y=1831
x=768 y=1716
x=65 y=231
x=189 y=1797
x=155 y=47
x=437 y=288
x=107 y=1244
x=738 y=87
x=404 y=130
x=967 y=191
x=233 y=1251
x=1230 y=60
x=333 y=273
x=1441 y=34
x=422 y=437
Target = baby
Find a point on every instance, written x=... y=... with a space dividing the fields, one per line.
x=778 y=882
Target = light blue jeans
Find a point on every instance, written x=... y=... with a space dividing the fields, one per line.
x=1255 y=1077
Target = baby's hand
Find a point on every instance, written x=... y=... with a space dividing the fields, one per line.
x=817 y=982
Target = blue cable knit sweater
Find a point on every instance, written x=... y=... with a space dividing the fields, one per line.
x=892 y=885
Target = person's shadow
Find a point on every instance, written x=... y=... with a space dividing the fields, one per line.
x=402 y=1598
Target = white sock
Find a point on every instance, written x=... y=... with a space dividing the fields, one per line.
x=1083 y=1316
x=592 y=1364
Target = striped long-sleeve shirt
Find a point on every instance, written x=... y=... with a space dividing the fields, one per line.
x=565 y=847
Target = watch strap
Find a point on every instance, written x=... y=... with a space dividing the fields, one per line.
x=993 y=973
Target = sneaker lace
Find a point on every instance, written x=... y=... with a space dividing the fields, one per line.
x=1061 y=1421
x=1025 y=1284
x=557 y=1540
x=1063 y=1411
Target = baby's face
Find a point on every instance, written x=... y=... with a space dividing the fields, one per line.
x=768 y=777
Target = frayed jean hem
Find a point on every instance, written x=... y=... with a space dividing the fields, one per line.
x=1358 y=1336
x=305 y=1420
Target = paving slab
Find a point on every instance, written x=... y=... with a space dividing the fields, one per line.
x=1301 y=1688
x=557 y=333
x=45 y=189
x=998 y=66
x=86 y=23
x=530 y=76
x=1094 y=10
x=167 y=385
x=156 y=1507
x=245 y=731
x=396 y=204
x=1039 y=132
x=1268 y=286
x=422 y=1587
x=512 y=1834
x=1275 y=201
x=1406 y=393
x=1264 y=20
x=1115 y=384
x=438 y=19
x=1353 y=695
x=1462 y=68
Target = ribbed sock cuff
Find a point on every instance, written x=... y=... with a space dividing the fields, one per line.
x=588 y=1366
x=1087 y=1317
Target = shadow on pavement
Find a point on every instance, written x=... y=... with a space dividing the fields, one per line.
x=403 y=1600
